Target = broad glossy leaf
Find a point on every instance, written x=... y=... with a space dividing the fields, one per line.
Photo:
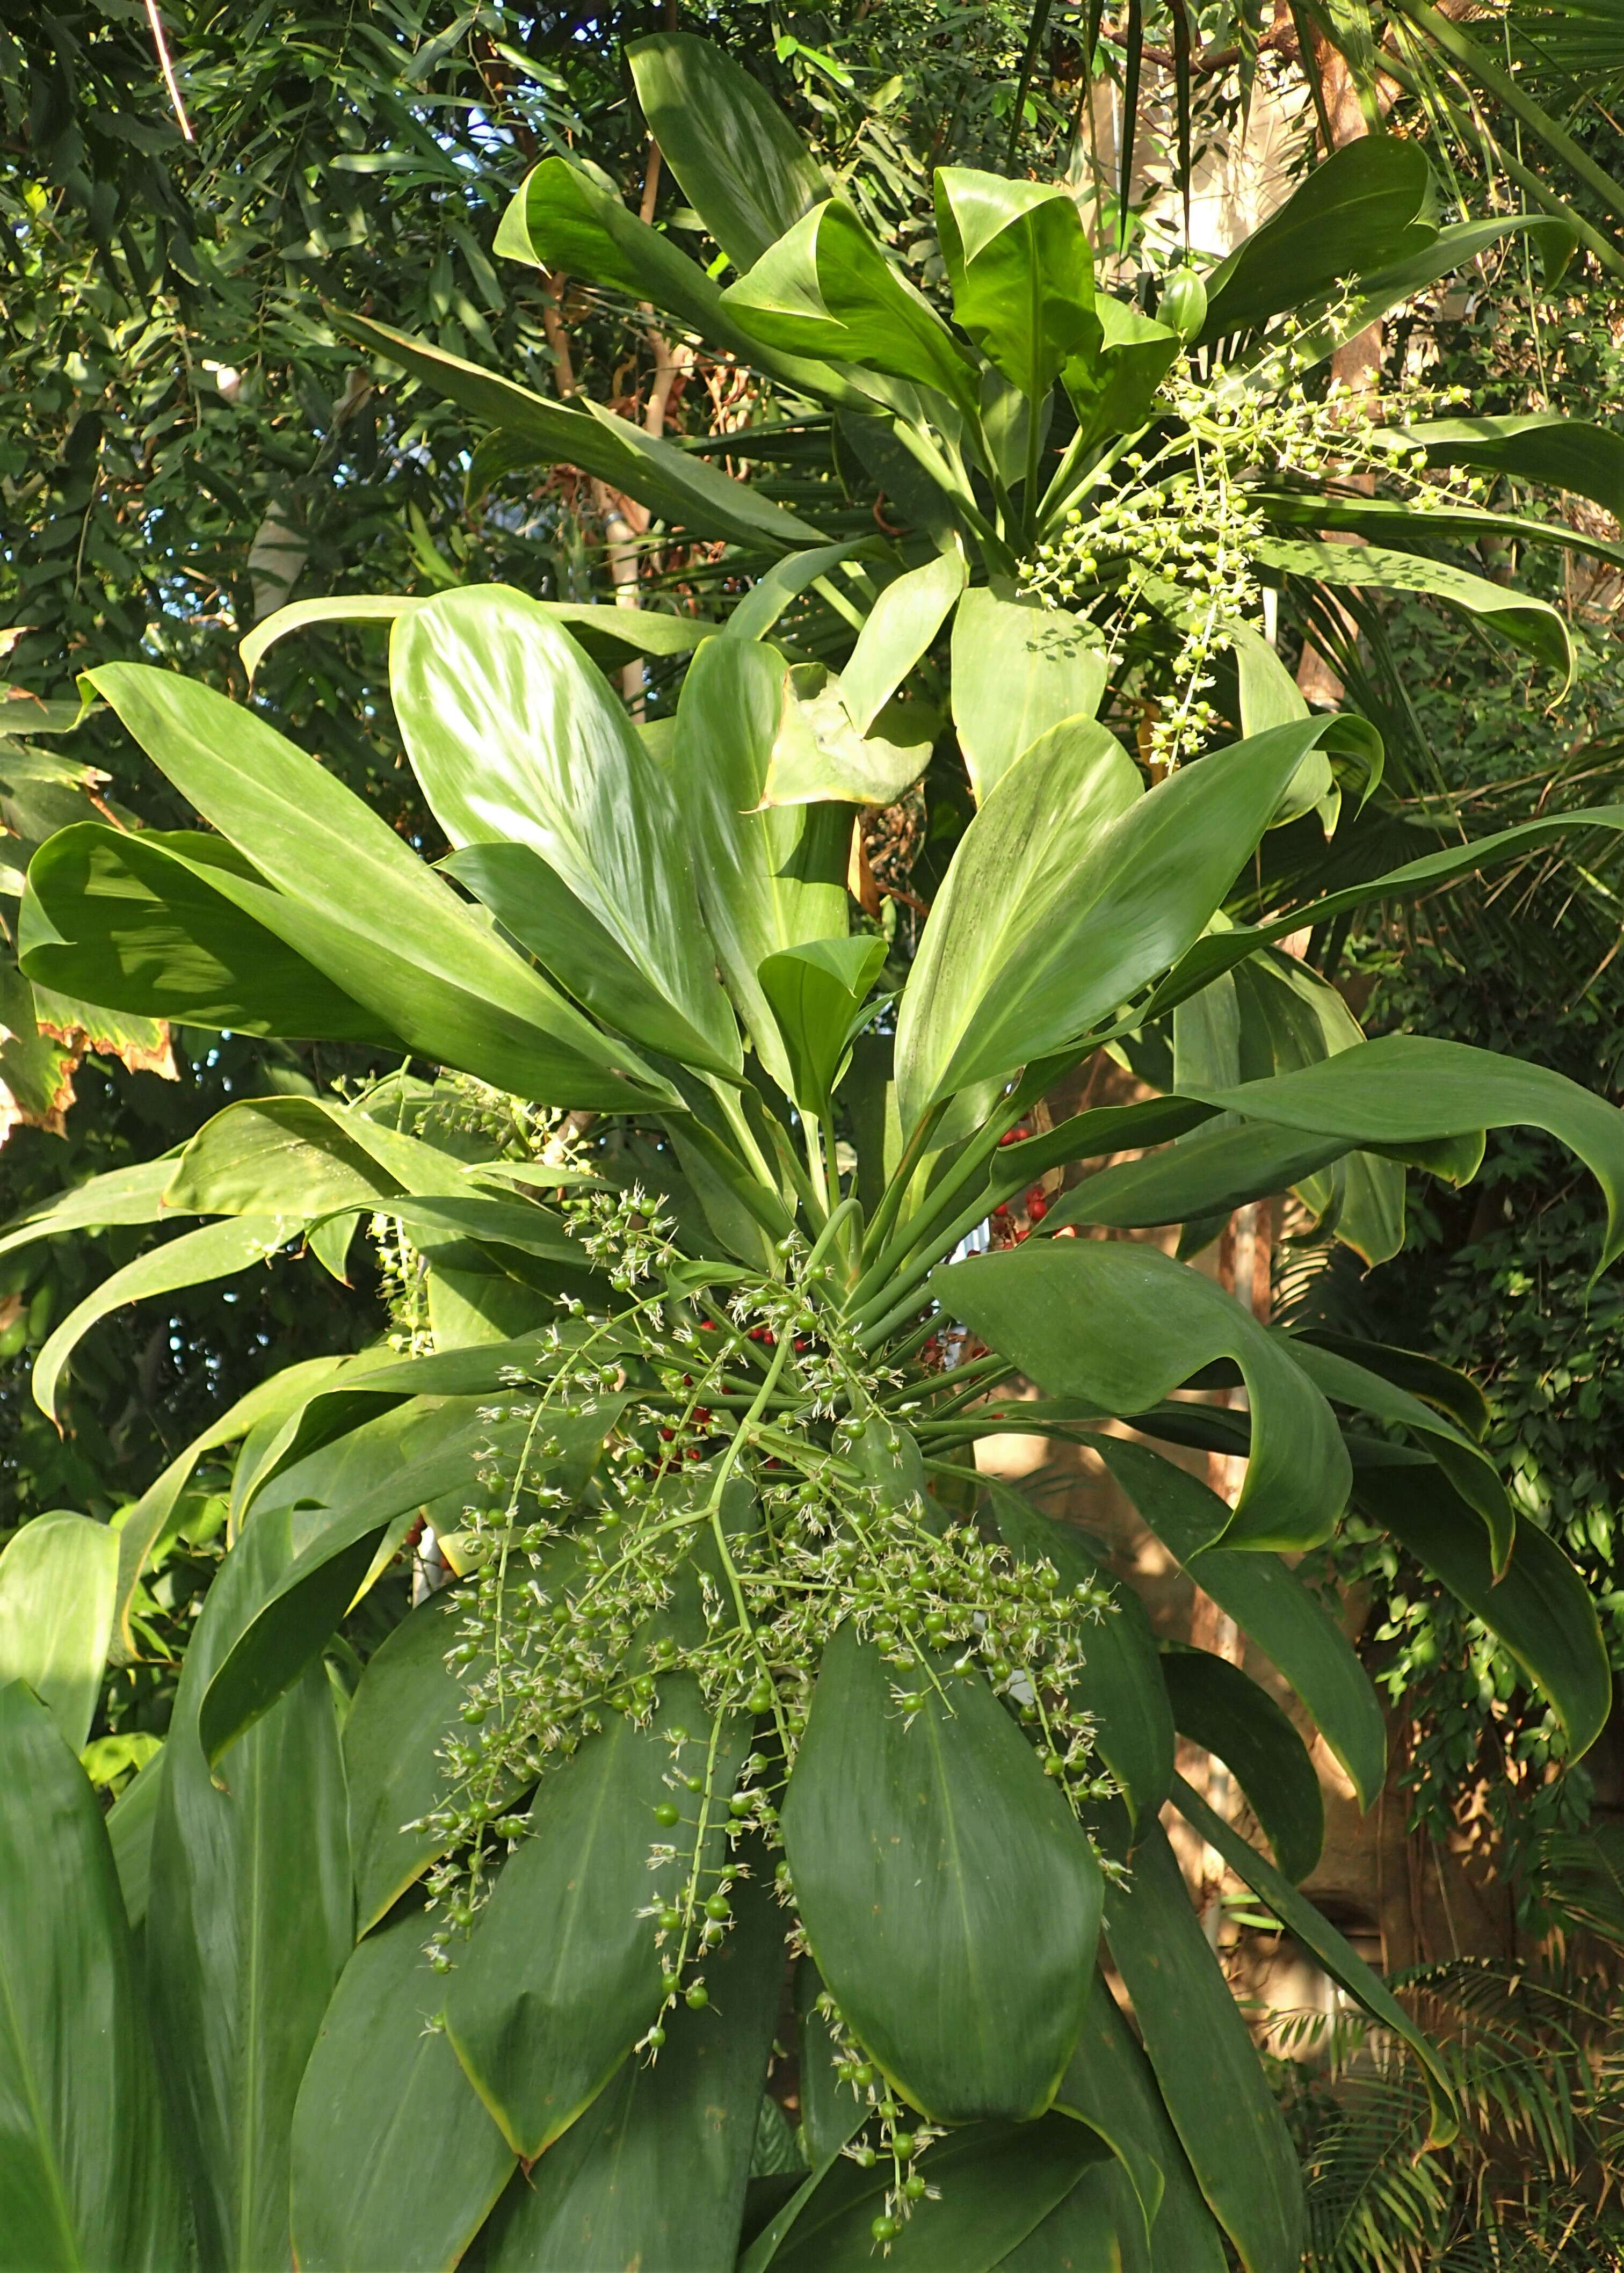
x=1111 y=2086
x=1453 y=1393
x=1114 y=392
x=353 y=898
x=767 y=879
x=1019 y=670
x=1268 y=1601
x=609 y=634
x=1211 y=2078
x=562 y=1975
x=818 y=993
x=1021 y=271
x=283 y=1156
x=1116 y=1326
x=900 y=628
x=679 y=487
x=654 y=2173
x=826 y=289
x=1224 y=1711
x=997 y=2182
x=1340 y=1377
x=1384 y=519
x=1121 y=1687
x=289 y=1627
x=1408 y=1089
x=58 y=1579
x=1551 y=238
x=1216 y=1169
x=215 y=1251
x=1069 y=890
x=1529 y=623
x=1540 y=1610
x=516 y=738
x=1306 y=1924
x=911 y=1841
x=130 y=1822
x=149 y=921
x=121 y=1196
x=1558 y=452
x=249 y=1921
x=1364 y=208
x=743 y=167
x=819 y=756
x=530 y=899
x=774 y=589
x=86 y=2176
x=394 y=2162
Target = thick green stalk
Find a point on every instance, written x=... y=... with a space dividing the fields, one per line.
x=902 y=1176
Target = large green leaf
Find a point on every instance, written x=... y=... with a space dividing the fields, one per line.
x=121 y=1196
x=516 y=740
x=86 y=2179
x=1364 y=208
x=1307 y=1926
x=215 y=1251
x=609 y=634
x=59 y=1580
x=1111 y=2086
x=820 y=756
x=1346 y=314
x=767 y=879
x=679 y=486
x=1206 y=2066
x=818 y=993
x=1116 y=1326
x=249 y=1921
x=148 y=922
x=1212 y=1171
x=743 y=167
x=1114 y=392
x=898 y=631
x=1409 y=1089
x=1540 y=1610
x=355 y=899
x=1542 y=447
x=825 y=289
x=290 y=1625
x=654 y=2173
x=1229 y=1714
x=1021 y=271
x=1018 y=670
x=912 y=1840
x=1528 y=622
x=1070 y=889
x=394 y=2162
x=561 y=1977
x=1268 y=1601
x=1340 y=1377
x=1121 y=1686
x=997 y=2182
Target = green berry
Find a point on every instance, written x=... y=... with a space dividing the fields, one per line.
x=862 y=2075
x=666 y=1813
x=670 y=1920
x=902 y=2145
x=913 y=2185
x=655 y=2038
x=885 y=2228
x=697 y=1997
x=740 y=1805
x=717 y=1906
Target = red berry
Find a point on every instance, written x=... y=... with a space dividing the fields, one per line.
x=668 y=1434
x=1038 y=1208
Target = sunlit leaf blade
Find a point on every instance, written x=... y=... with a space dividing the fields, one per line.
x=898 y=631
x=59 y=1580
x=1540 y=1611
x=1021 y=271
x=394 y=2162
x=910 y=1839
x=1268 y=1601
x=1210 y=1172
x=561 y=1977
x=86 y=2176
x=1542 y=447
x=517 y=739
x=249 y=1921
x=1207 y=2066
x=1018 y=670
x=1116 y=1326
x=1231 y=1716
x=817 y=994
x=1346 y=1968
x=743 y=167
x=767 y=879
x=654 y=2172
